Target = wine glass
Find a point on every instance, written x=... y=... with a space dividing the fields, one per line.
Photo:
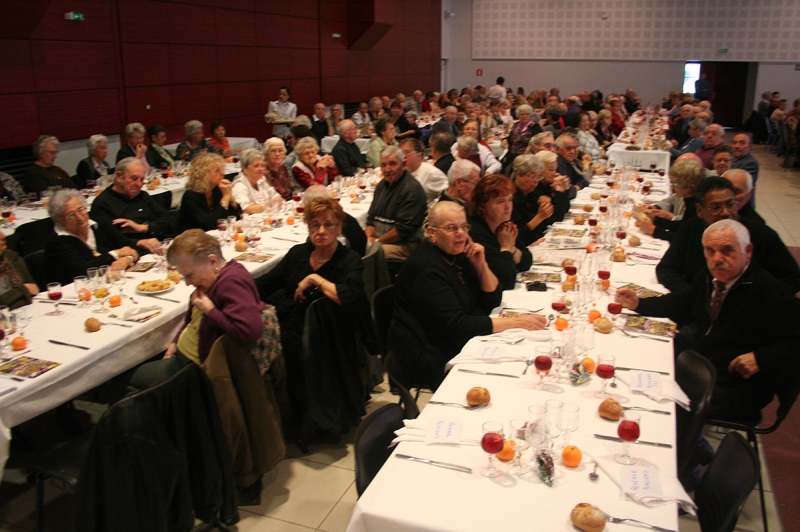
x=586 y=339
x=570 y=269
x=519 y=443
x=628 y=431
x=7 y=325
x=552 y=419
x=535 y=431
x=21 y=318
x=559 y=302
x=117 y=277
x=492 y=443
x=604 y=370
x=82 y=290
x=621 y=234
x=603 y=268
x=54 y=293
x=542 y=363
x=568 y=423
x=101 y=291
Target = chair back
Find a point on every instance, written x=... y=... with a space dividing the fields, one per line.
x=371 y=446
x=787 y=392
x=382 y=312
x=31 y=236
x=726 y=484
x=37 y=265
x=409 y=405
x=376 y=273
x=696 y=376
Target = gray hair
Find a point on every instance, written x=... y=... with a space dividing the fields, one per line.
x=537 y=139
x=274 y=141
x=698 y=124
x=304 y=144
x=346 y=125
x=392 y=151
x=313 y=192
x=437 y=211
x=468 y=143
x=125 y=163
x=748 y=178
x=503 y=101
x=564 y=136
x=302 y=120
x=42 y=142
x=191 y=127
x=546 y=156
x=58 y=203
x=334 y=106
x=449 y=107
x=461 y=169
x=94 y=140
x=592 y=115
x=249 y=155
x=525 y=108
x=527 y=163
x=134 y=126
x=687 y=173
x=741 y=232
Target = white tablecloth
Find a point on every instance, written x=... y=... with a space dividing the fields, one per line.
x=236 y=143
x=638 y=158
x=329 y=142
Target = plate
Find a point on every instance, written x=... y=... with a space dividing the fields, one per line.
x=155 y=292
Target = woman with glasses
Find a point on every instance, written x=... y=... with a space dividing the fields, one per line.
x=443 y=296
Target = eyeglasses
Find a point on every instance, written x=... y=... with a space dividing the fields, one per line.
x=71 y=216
x=716 y=208
x=453 y=228
x=329 y=226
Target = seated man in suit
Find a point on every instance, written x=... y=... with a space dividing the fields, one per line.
x=567 y=150
x=346 y=154
x=738 y=316
x=140 y=218
x=448 y=122
x=742 y=183
x=135 y=146
x=79 y=243
x=716 y=201
x=679 y=133
x=462 y=178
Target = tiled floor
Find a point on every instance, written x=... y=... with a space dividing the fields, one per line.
x=317 y=491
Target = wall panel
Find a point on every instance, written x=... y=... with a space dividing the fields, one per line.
x=19 y=119
x=65 y=66
x=77 y=114
x=16 y=66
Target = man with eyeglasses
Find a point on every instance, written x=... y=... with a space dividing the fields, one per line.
x=567 y=150
x=433 y=180
x=716 y=201
x=542 y=141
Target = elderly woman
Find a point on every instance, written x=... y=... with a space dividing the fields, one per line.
x=319 y=267
x=531 y=211
x=310 y=168
x=156 y=155
x=586 y=140
x=617 y=115
x=78 y=243
x=44 y=173
x=94 y=167
x=218 y=138
x=276 y=172
x=283 y=108
x=487 y=161
x=466 y=148
x=135 y=145
x=490 y=216
x=194 y=144
x=208 y=195
x=403 y=128
x=250 y=188
x=337 y=115
x=604 y=131
x=696 y=129
x=385 y=131
x=526 y=127
x=685 y=177
x=17 y=286
x=443 y=296
x=555 y=186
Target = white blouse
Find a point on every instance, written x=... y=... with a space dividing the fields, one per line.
x=246 y=195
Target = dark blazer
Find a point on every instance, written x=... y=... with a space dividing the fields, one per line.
x=154 y=159
x=667 y=229
x=348 y=158
x=527 y=206
x=196 y=214
x=445 y=162
x=110 y=205
x=86 y=171
x=68 y=256
x=500 y=262
x=124 y=151
x=566 y=168
x=444 y=125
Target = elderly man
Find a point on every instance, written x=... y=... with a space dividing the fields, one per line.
x=398 y=209
x=567 y=150
x=722 y=159
x=448 y=122
x=136 y=146
x=142 y=220
x=346 y=153
x=441 y=143
x=462 y=177
x=744 y=160
x=716 y=201
x=319 y=123
x=679 y=133
x=742 y=183
x=694 y=141
x=433 y=180
x=542 y=141
x=738 y=316
x=79 y=243
x=375 y=108
x=385 y=103
x=714 y=136
x=415 y=102
x=361 y=117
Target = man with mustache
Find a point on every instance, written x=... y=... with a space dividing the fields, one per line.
x=739 y=317
x=716 y=201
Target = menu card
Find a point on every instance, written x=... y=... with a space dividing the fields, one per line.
x=253 y=257
x=645 y=325
x=641 y=291
x=27 y=367
x=529 y=277
x=142 y=267
x=575 y=233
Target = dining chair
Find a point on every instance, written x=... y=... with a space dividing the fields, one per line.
x=696 y=376
x=372 y=440
x=406 y=401
x=382 y=312
x=787 y=387
x=726 y=484
x=37 y=266
x=31 y=236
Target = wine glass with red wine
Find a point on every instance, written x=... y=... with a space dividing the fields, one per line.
x=604 y=370
x=628 y=431
x=559 y=302
x=603 y=268
x=54 y=294
x=492 y=443
x=542 y=362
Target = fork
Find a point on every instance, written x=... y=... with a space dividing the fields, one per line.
x=629 y=335
x=467 y=407
x=612 y=519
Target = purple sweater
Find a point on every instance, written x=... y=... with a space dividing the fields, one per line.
x=237 y=309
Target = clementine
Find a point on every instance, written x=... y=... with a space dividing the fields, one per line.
x=593 y=315
x=561 y=324
x=290 y=220
x=589 y=364
x=19 y=343
x=114 y=301
x=507 y=454
x=571 y=456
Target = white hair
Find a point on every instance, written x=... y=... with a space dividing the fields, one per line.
x=134 y=126
x=748 y=179
x=741 y=232
x=546 y=156
x=461 y=169
x=468 y=143
x=274 y=141
x=94 y=140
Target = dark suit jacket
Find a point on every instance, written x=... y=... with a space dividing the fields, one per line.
x=444 y=125
x=124 y=151
x=566 y=168
x=348 y=158
x=68 y=257
x=500 y=262
x=86 y=171
x=154 y=159
x=319 y=128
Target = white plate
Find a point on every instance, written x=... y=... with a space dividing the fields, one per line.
x=157 y=292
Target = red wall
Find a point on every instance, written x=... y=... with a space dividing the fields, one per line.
x=202 y=59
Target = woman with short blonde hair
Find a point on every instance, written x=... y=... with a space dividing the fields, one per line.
x=208 y=195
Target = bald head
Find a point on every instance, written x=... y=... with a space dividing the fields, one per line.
x=689 y=157
x=742 y=183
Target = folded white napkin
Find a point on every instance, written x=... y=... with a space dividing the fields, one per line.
x=416 y=431
x=671 y=488
x=141 y=314
x=669 y=390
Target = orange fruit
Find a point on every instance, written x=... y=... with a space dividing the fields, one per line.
x=507 y=454
x=593 y=315
x=573 y=278
x=571 y=456
x=588 y=363
x=591 y=248
x=84 y=294
x=561 y=324
x=19 y=343
x=290 y=220
x=606 y=284
x=114 y=301
x=157 y=181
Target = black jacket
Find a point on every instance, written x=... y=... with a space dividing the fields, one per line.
x=445 y=162
x=110 y=205
x=86 y=171
x=526 y=207
x=667 y=229
x=196 y=214
x=568 y=169
x=68 y=257
x=348 y=158
x=500 y=262
x=124 y=152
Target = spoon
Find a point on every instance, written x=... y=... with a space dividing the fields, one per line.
x=550 y=319
x=528 y=363
x=593 y=476
x=466 y=407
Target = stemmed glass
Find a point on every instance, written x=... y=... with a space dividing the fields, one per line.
x=603 y=268
x=628 y=431
x=117 y=277
x=552 y=419
x=519 y=444
x=492 y=443
x=82 y=290
x=54 y=293
x=542 y=363
x=586 y=339
x=535 y=432
x=101 y=289
x=570 y=416
x=21 y=318
x=559 y=302
x=604 y=370
x=6 y=325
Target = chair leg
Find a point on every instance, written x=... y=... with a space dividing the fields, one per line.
x=754 y=439
x=40 y=480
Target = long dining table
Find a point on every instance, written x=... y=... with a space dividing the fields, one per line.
x=407 y=495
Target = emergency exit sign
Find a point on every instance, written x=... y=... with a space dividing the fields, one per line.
x=479 y=72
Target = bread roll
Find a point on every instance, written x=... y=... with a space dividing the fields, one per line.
x=241 y=246
x=579 y=220
x=603 y=325
x=587 y=517
x=92 y=325
x=478 y=396
x=610 y=409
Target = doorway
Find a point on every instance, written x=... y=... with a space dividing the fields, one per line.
x=728 y=88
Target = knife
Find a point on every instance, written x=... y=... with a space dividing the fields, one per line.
x=165 y=299
x=653 y=443
x=640 y=369
x=68 y=345
x=488 y=373
x=285 y=239
x=60 y=302
x=445 y=465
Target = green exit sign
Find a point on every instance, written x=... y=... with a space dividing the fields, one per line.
x=72 y=15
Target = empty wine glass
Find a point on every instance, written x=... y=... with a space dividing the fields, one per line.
x=604 y=370
x=21 y=318
x=82 y=290
x=552 y=419
x=628 y=431
x=535 y=431
x=117 y=277
x=586 y=339
x=6 y=325
x=492 y=443
x=519 y=443
x=54 y=294
x=568 y=423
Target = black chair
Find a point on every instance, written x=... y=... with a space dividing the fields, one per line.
x=31 y=236
x=376 y=274
x=371 y=446
x=788 y=387
x=382 y=312
x=408 y=403
x=37 y=265
x=726 y=484
x=696 y=376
